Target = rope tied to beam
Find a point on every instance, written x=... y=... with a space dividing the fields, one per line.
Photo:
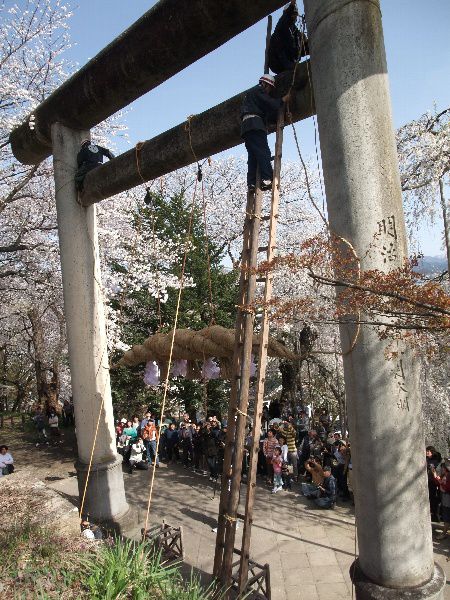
x=228 y=518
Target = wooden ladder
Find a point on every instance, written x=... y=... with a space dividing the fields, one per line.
x=238 y=407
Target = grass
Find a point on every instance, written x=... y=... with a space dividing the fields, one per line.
x=37 y=563
x=126 y=570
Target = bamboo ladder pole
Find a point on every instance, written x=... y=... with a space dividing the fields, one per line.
x=231 y=479
x=262 y=359
x=251 y=226
x=244 y=345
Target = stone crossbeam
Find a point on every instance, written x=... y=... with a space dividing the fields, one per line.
x=212 y=131
x=169 y=37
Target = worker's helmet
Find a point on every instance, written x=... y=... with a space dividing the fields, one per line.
x=269 y=79
x=86 y=141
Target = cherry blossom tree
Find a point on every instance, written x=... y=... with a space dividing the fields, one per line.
x=424 y=158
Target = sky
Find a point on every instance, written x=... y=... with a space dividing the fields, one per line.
x=418 y=57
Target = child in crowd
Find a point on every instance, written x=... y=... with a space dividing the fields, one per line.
x=277 y=463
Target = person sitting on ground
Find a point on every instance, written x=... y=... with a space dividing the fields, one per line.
x=314 y=468
x=136 y=459
x=327 y=489
x=89 y=157
x=287 y=44
x=277 y=464
x=325 y=495
x=444 y=486
x=90 y=532
x=6 y=461
x=258 y=109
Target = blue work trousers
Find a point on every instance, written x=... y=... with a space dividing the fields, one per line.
x=258 y=156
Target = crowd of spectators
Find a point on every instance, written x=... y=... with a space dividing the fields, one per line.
x=290 y=450
x=298 y=452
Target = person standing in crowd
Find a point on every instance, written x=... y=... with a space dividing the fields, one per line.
x=258 y=109
x=186 y=443
x=433 y=459
x=145 y=420
x=136 y=459
x=129 y=433
x=302 y=427
x=136 y=425
x=171 y=435
x=444 y=485
x=287 y=44
x=340 y=470
x=150 y=437
x=211 y=452
x=269 y=445
x=285 y=465
x=53 y=423
x=277 y=464
x=6 y=461
x=39 y=421
x=67 y=412
x=290 y=435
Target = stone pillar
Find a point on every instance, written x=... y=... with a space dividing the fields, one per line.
x=86 y=334
x=365 y=207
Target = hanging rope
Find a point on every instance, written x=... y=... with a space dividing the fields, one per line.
x=208 y=260
x=172 y=343
x=148 y=201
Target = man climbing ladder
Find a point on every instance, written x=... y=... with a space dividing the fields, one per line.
x=258 y=109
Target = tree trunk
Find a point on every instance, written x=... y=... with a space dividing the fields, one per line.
x=46 y=390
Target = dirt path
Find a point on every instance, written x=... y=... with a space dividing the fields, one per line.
x=47 y=462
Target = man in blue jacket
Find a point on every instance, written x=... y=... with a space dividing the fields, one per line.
x=287 y=44
x=258 y=109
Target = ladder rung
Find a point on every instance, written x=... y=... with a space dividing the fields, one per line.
x=263 y=248
x=261 y=280
x=265 y=218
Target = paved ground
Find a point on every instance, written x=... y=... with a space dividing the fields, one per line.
x=309 y=550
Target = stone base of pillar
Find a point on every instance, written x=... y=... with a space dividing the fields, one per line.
x=367 y=590
x=105 y=501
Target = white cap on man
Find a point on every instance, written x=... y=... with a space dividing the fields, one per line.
x=269 y=79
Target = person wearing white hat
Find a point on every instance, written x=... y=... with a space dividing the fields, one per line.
x=257 y=110
x=89 y=157
x=287 y=44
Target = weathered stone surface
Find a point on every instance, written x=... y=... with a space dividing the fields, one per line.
x=170 y=36
x=365 y=207
x=86 y=335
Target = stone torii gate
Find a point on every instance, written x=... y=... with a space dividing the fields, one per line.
x=363 y=197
